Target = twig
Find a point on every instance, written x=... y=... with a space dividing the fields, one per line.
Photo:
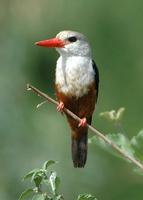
x=95 y=131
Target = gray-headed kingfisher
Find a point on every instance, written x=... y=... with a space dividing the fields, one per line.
x=76 y=85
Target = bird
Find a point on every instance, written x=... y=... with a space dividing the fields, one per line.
x=76 y=86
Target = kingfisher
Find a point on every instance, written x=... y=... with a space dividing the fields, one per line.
x=76 y=86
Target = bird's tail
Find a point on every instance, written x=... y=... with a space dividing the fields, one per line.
x=79 y=150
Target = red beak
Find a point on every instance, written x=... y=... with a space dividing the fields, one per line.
x=54 y=42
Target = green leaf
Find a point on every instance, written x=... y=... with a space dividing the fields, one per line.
x=86 y=197
x=26 y=193
x=113 y=115
x=48 y=163
x=119 y=139
x=39 y=197
x=57 y=182
x=119 y=113
x=123 y=142
x=137 y=144
x=54 y=182
x=38 y=176
x=98 y=141
x=38 y=180
x=39 y=172
x=30 y=174
x=138 y=171
x=48 y=198
x=59 y=197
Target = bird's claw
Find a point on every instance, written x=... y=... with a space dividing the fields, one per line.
x=60 y=107
x=82 y=123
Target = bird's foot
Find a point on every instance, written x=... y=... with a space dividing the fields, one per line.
x=60 y=107
x=82 y=123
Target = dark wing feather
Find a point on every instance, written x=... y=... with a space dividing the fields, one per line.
x=96 y=76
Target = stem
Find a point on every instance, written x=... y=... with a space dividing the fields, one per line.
x=95 y=131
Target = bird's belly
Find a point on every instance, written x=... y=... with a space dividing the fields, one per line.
x=82 y=106
x=74 y=89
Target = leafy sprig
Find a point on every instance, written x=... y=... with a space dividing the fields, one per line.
x=132 y=147
x=46 y=185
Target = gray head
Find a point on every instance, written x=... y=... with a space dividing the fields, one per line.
x=69 y=43
x=76 y=44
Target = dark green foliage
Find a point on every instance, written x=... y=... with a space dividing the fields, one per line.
x=41 y=177
x=46 y=185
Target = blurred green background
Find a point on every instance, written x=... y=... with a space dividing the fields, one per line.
x=29 y=136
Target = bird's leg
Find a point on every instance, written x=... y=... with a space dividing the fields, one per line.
x=82 y=123
x=60 y=107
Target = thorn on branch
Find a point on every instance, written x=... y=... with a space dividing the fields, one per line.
x=28 y=87
x=40 y=104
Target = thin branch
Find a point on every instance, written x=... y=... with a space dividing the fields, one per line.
x=95 y=131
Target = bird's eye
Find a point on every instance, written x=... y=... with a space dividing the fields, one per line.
x=72 y=39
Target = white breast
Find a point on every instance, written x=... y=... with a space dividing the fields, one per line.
x=74 y=75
